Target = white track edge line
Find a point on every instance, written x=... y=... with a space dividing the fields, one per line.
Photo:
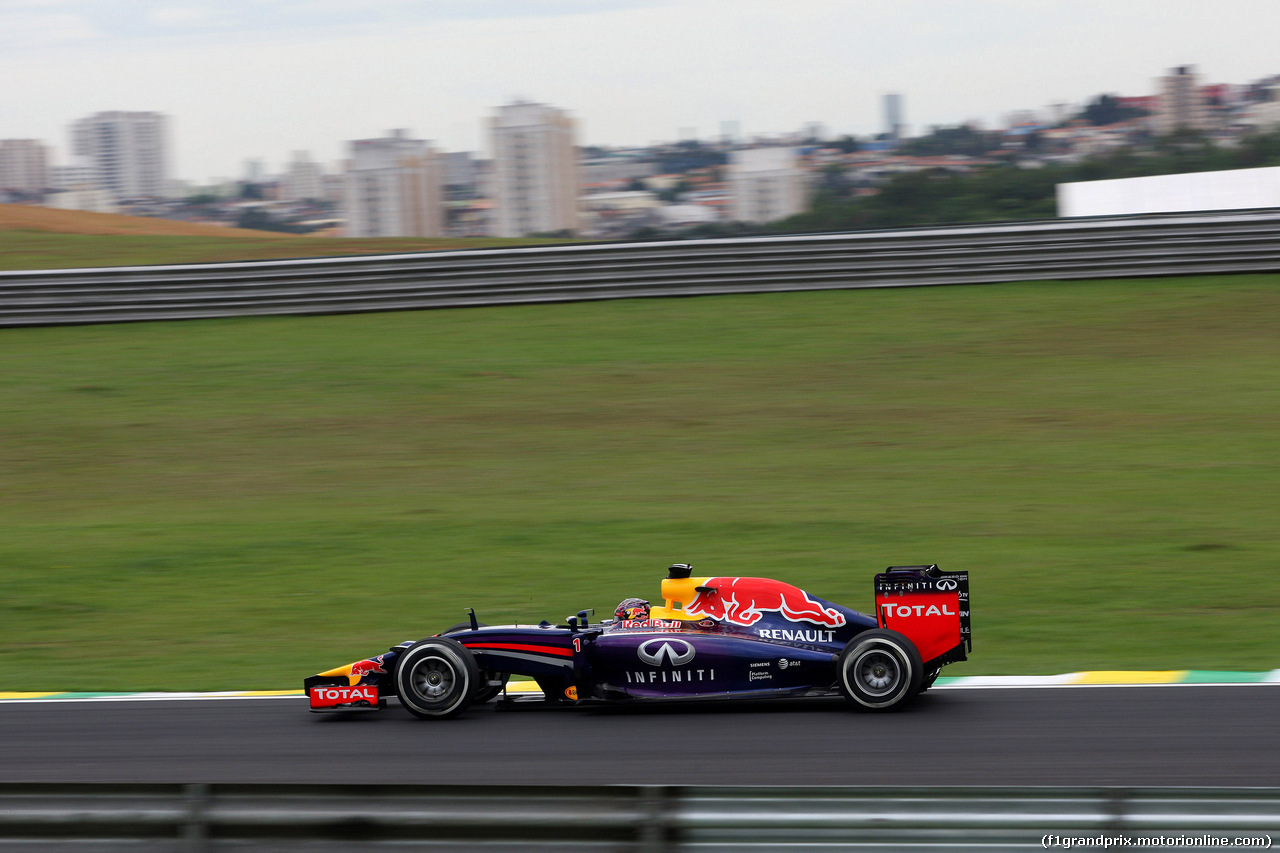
x=220 y=697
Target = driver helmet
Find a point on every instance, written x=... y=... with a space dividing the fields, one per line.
x=632 y=609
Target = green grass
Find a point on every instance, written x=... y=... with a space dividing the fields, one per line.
x=239 y=503
x=33 y=250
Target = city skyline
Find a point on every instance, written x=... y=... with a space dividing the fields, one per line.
x=260 y=79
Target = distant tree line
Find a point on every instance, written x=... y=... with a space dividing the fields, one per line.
x=687 y=156
x=1006 y=191
x=952 y=140
x=1106 y=109
x=256 y=219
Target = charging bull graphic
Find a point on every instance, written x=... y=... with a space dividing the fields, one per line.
x=359 y=669
x=744 y=601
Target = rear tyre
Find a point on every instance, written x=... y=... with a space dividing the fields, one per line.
x=879 y=670
x=437 y=678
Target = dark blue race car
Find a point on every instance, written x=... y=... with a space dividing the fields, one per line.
x=712 y=637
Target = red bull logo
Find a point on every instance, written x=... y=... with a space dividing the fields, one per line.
x=650 y=623
x=744 y=601
x=360 y=669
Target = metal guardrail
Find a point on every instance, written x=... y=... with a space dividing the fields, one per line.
x=641 y=819
x=1028 y=251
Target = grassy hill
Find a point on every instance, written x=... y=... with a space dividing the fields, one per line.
x=27 y=217
x=238 y=503
x=43 y=238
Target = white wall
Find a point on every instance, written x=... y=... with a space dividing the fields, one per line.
x=1231 y=190
x=86 y=197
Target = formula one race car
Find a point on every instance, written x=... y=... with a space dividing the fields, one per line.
x=712 y=637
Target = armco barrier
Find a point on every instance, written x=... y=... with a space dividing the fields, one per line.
x=1029 y=251
x=643 y=819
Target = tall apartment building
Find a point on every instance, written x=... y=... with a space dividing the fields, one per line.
x=304 y=180
x=394 y=188
x=766 y=184
x=75 y=176
x=128 y=152
x=24 y=166
x=535 y=163
x=1182 y=102
x=894 y=126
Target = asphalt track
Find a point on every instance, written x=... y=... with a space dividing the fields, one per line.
x=1131 y=736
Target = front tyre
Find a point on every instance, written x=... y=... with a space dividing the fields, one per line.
x=491 y=683
x=879 y=670
x=437 y=678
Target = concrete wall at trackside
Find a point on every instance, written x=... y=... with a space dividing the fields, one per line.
x=1237 y=189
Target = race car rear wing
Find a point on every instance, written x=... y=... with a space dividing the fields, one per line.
x=928 y=606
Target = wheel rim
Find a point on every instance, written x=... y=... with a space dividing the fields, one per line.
x=878 y=672
x=434 y=679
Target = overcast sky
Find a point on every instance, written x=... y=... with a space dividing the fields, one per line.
x=261 y=78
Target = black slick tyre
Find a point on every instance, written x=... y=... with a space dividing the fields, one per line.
x=879 y=670
x=491 y=683
x=437 y=678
